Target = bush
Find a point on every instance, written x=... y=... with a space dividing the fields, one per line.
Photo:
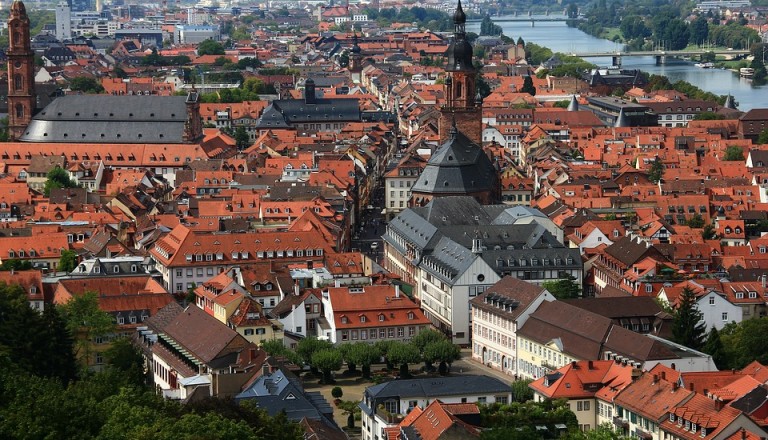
x=336 y=392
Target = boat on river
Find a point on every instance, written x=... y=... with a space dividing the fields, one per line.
x=705 y=65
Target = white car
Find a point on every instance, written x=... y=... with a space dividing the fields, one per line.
x=374 y=246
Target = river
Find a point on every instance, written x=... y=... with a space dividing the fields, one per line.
x=561 y=38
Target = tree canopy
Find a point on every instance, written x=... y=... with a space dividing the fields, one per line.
x=57 y=178
x=210 y=47
x=687 y=325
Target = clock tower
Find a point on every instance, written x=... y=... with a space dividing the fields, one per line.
x=463 y=105
x=21 y=72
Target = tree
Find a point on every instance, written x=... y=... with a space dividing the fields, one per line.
x=425 y=338
x=85 y=84
x=528 y=86
x=713 y=346
x=337 y=392
x=760 y=74
x=123 y=357
x=708 y=232
x=699 y=30
x=687 y=325
x=210 y=47
x=564 y=288
x=402 y=354
x=696 y=221
x=242 y=139
x=38 y=344
x=86 y=322
x=57 y=178
x=572 y=11
x=307 y=347
x=488 y=27
x=327 y=360
x=363 y=354
x=656 y=170
x=734 y=153
x=344 y=59
x=443 y=351
x=521 y=392
x=67 y=261
x=633 y=26
x=762 y=138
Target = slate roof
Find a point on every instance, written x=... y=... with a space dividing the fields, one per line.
x=283 y=113
x=458 y=166
x=282 y=391
x=508 y=297
x=110 y=119
x=434 y=388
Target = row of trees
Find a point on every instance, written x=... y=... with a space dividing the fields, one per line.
x=429 y=346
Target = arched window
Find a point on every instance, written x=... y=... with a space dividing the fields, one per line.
x=16 y=38
x=18 y=82
x=19 y=111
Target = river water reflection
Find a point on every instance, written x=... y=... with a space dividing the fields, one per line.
x=561 y=38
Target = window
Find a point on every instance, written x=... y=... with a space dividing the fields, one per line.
x=711 y=300
x=649 y=288
x=725 y=316
x=344 y=335
x=248 y=332
x=391 y=332
x=298 y=329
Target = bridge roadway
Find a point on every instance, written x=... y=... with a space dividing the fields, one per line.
x=658 y=53
x=526 y=19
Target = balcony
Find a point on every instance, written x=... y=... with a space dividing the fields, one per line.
x=391 y=419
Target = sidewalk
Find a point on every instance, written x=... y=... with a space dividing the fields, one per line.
x=467 y=366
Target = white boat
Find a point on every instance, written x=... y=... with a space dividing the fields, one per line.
x=705 y=65
x=746 y=72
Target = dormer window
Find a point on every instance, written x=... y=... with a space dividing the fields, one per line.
x=411 y=315
x=362 y=318
x=344 y=320
x=116 y=269
x=381 y=317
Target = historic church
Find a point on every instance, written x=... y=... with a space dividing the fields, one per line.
x=459 y=166
x=90 y=118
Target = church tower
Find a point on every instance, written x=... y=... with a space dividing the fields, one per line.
x=355 y=61
x=21 y=72
x=463 y=106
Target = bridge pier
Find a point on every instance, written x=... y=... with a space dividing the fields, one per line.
x=661 y=59
x=533 y=23
x=616 y=60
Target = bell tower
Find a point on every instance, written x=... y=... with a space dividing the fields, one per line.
x=355 y=61
x=21 y=72
x=462 y=102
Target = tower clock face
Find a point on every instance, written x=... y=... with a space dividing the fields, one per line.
x=17 y=64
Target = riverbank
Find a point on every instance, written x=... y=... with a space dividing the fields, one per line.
x=561 y=38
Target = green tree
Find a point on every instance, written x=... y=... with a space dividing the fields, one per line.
x=242 y=139
x=633 y=26
x=86 y=321
x=687 y=325
x=124 y=358
x=210 y=47
x=38 y=344
x=337 y=392
x=696 y=221
x=57 y=178
x=708 y=232
x=443 y=351
x=734 y=153
x=713 y=346
x=563 y=288
x=521 y=392
x=425 y=338
x=344 y=59
x=403 y=354
x=363 y=354
x=67 y=261
x=760 y=74
x=762 y=138
x=528 y=86
x=699 y=30
x=327 y=360
x=307 y=347
x=656 y=171
x=85 y=84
